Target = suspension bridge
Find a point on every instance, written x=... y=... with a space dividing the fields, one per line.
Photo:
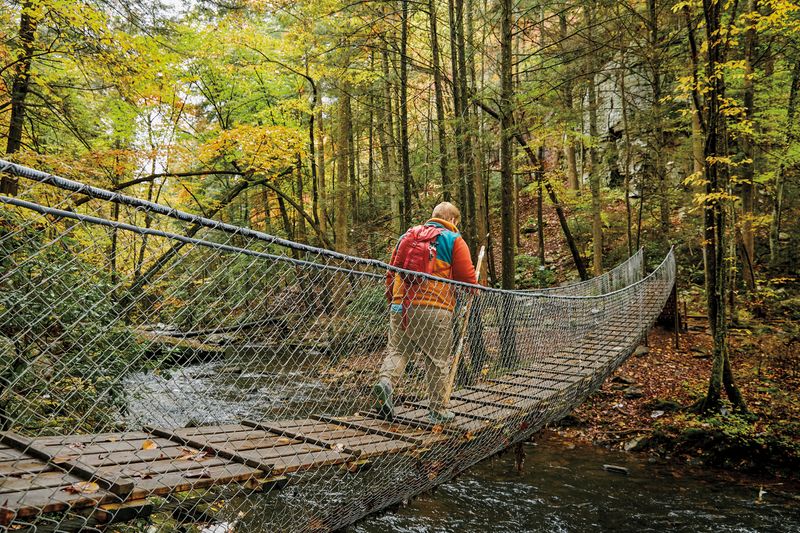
x=275 y=429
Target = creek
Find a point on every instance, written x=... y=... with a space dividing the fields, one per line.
x=564 y=488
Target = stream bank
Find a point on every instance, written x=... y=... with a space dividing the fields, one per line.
x=643 y=407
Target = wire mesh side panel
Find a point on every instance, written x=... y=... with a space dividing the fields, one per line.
x=624 y=274
x=196 y=373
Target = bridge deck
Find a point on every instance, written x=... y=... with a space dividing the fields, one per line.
x=99 y=472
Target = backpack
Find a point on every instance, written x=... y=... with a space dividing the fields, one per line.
x=416 y=252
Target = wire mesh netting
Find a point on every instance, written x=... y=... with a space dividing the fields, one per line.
x=159 y=369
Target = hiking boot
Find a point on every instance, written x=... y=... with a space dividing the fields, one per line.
x=441 y=417
x=383 y=394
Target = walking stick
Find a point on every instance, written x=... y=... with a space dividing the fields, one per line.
x=460 y=346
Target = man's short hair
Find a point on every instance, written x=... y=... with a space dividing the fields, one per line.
x=447 y=211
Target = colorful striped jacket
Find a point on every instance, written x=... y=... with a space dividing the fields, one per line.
x=452 y=262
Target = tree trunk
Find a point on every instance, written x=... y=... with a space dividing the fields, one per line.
x=507 y=127
x=539 y=207
x=459 y=101
x=507 y=330
x=404 y=155
x=748 y=147
x=29 y=20
x=301 y=225
x=594 y=176
x=353 y=169
x=715 y=230
x=791 y=137
x=390 y=146
x=628 y=148
x=437 y=86
x=659 y=139
x=322 y=204
x=342 y=211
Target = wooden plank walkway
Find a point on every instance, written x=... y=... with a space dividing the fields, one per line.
x=101 y=473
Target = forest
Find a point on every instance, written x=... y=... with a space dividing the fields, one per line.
x=570 y=133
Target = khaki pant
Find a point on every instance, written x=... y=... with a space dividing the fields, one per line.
x=430 y=330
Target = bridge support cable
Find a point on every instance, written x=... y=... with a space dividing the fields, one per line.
x=247 y=362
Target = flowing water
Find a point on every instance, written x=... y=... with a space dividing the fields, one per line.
x=562 y=489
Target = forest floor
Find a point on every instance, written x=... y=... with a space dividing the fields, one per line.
x=645 y=406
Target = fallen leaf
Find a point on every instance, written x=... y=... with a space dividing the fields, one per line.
x=138 y=474
x=83 y=487
x=190 y=454
x=59 y=459
x=437 y=429
x=204 y=473
x=149 y=444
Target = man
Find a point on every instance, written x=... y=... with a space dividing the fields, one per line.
x=421 y=314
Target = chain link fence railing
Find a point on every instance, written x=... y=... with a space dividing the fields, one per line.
x=161 y=370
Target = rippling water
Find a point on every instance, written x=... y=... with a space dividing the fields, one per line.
x=560 y=489
x=567 y=490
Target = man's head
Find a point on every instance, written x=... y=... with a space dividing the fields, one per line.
x=447 y=211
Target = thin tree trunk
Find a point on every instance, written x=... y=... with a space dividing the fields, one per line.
x=792 y=136
x=29 y=20
x=479 y=219
x=353 y=168
x=301 y=225
x=714 y=215
x=469 y=161
x=627 y=133
x=458 y=104
x=404 y=155
x=748 y=147
x=569 y=142
x=439 y=93
x=322 y=204
x=659 y=136
x=342 y=210
x=506 y=153
x=539 y=207
x=594 y=176
x=391 y=146
x=507 y=330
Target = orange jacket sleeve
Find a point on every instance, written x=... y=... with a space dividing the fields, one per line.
x=462 y=267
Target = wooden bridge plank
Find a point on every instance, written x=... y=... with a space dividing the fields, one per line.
x=305 y=437
x=491 y=398
x=529 y=382
x=19 y=505
x=163 y=466
x=73 y=465
x=93 y=437
x=198 y=478
x=369 y=425
x=419 y=416
x=307 y=461
x=224 y=453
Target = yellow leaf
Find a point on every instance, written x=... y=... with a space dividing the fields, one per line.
x=149 y=444
x=83 y=487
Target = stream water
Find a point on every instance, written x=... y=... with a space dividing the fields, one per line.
x=565 y=490
x=561 y=488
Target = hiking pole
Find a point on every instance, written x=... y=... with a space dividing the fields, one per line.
x=460 y=346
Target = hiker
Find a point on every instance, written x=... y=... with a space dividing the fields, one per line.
x=421 y=313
